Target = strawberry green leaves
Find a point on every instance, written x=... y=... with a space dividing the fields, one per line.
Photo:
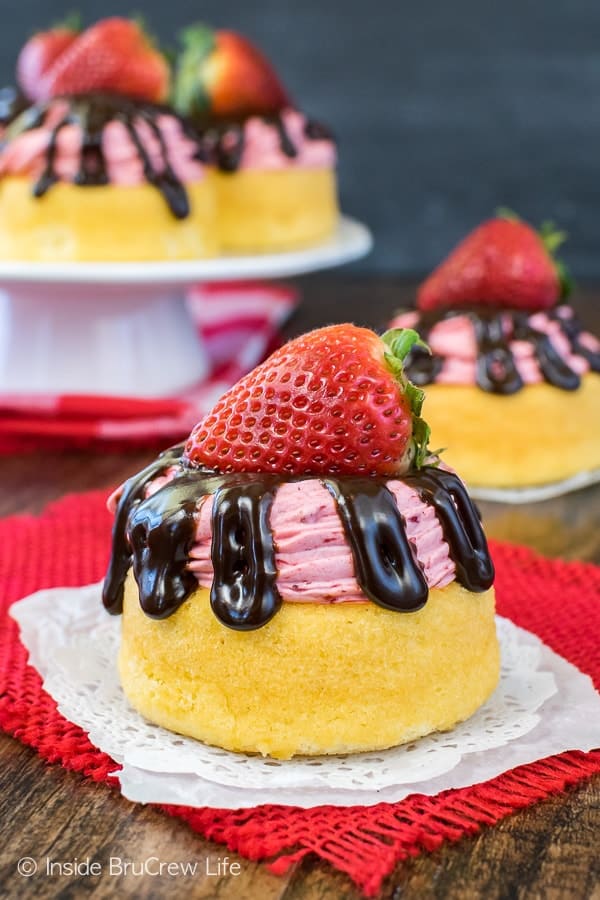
x=400 y=342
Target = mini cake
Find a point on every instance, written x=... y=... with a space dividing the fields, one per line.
x=96 y=168
x=513 y=383
x=303 y=577
x=275 y=169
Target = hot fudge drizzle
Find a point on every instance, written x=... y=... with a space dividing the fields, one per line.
x=156 y=534
x=496 y=370
x=92 y=113
x=223 y=143
x=384 y=562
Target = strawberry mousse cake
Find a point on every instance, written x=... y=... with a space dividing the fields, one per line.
x=303 y=576
x=275 y=168
x=97 y=168
x=513 y=378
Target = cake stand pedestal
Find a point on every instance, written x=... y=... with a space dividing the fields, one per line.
x=123 y=329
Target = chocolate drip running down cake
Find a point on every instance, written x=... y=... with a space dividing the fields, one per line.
x=286 y=612
x=275 y=181
x=223 y=143
x=91 y=115
x=155 y=535
x=104 y=177
x=495 y=330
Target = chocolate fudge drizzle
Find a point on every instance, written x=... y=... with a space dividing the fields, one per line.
x=131 y=497
x=93 y=112
x=223 y=142
x=156 y=534
x=460 y=524
x=496 y=370
x=385 y=566
x=243 y=593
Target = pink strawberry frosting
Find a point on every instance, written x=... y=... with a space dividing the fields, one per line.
x=262 y=145
x=25 y=154
x=453 y=339
x=314 y=561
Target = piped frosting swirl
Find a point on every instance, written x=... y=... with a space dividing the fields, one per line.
x=158 y=523
x=283 y=141
x=98 y=139
x=501 y=350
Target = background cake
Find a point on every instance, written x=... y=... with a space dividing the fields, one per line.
x=513 y=383
x=97 y=169
x=275 y=168
x=96 y=165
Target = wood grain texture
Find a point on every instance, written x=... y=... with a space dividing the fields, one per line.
x=547 y=851
x=69 y=818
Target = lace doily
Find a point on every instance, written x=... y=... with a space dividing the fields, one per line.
x=73 y=643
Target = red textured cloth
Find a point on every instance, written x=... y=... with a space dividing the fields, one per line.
x=559 y=601
x=238 y=324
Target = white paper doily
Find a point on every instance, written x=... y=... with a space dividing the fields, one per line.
x=73 y=643
x=536 y=493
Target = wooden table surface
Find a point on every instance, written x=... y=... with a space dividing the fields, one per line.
x=547 y=851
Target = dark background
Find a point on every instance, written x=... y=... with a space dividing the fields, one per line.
x=444 y=110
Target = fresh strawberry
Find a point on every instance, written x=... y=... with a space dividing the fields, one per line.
x=504 y=262
x=335 y=400
x=113 y=55
x=221 y=75
x=39 y=54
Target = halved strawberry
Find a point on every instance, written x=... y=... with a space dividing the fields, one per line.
x=504 y=262
x=114 y=55
x=221 y=75
x=38 y=55
x=335 y=400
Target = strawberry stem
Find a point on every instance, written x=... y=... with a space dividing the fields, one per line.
x=564 y=278
x=552 y=238
x=400 y=342
x=504 y=212
x=71 y=22
x=190 y=96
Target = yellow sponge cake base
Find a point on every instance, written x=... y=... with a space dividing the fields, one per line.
x=332 y=678
x=265 y=211
x=108 y=223
x=538 y=435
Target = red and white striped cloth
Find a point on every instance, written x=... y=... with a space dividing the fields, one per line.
x=239 y=323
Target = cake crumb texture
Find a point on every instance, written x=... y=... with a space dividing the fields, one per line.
x=538 y=435
x=107 y=223
x=318 y=678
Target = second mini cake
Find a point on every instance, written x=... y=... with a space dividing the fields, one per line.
x=275 y=168
x=513 y=380
x=303 y=577
x=96 y=168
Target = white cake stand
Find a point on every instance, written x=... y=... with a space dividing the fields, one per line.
x=123 y=329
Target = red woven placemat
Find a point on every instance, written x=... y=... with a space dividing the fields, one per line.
x=559 y=601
